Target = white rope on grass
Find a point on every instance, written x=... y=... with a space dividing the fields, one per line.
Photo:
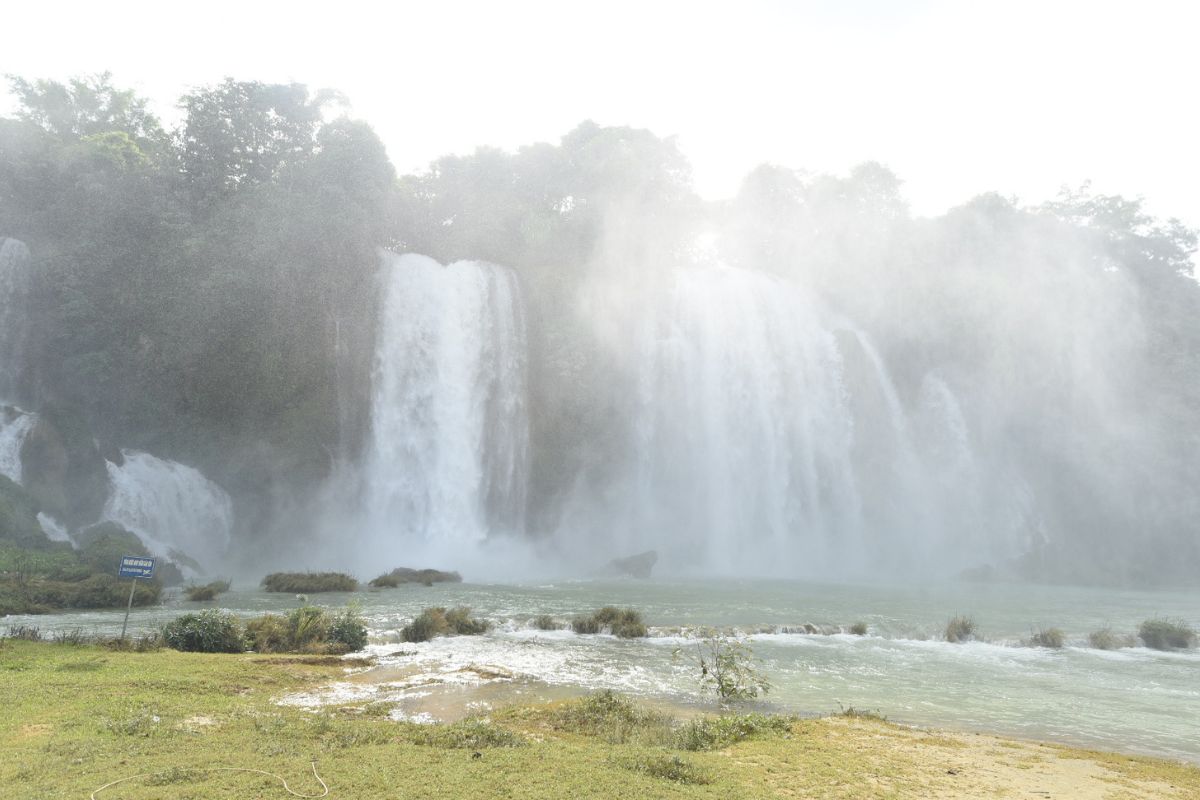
x=279 y=778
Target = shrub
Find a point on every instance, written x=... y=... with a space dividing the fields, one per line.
x=628 y=625
x=624 y=623
x=28 y=633
x=1105 y=639
x=460 y=622
x=438 y=621
x=308 y=629
x=1053 y=638
x=615 y=719
x=309 y=582
x=960 y=629
x=348 y=631
x=715 y=733
x=74 y=637
x=727 y=669
x=425 y=577
x=268 y=634
x=859 y=629
x=209 y=631
x=1164 y=634
x=545 y=622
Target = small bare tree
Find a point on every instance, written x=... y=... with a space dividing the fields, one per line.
x=727 y=668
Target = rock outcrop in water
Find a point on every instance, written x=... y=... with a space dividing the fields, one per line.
x=635 y=566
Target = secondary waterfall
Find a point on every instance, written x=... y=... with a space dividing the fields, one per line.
x=14 y=427
x=769 y=438
x=14 y=301
x=448 y=457
x=173 y=508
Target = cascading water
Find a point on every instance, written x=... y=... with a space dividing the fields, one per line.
x=14 y=427
x=448 y=457
x=769 y=438
x=173 y=508
x=14 y=291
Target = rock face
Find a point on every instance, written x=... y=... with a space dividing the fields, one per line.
x=637 y=566
x=18 y=517
x=63 y=469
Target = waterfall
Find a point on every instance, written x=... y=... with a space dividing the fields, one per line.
x=14 y=301
x=173 y=508
x=743 y=435
x=14 y=427
x=770 y=438
x=448 y=454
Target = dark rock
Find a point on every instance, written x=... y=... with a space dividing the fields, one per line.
x=18 y=517
x=63 y=469
x=637 y=566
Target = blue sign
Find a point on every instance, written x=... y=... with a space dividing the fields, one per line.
x=136 y=567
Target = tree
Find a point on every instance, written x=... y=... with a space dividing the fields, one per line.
x=85 y=106
x=727 y=668
x=240 y=134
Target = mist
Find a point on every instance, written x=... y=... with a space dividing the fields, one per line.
x=250 y=341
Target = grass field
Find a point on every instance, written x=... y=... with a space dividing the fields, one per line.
x=78 y=717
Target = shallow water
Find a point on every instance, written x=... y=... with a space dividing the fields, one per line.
x=1131 y=700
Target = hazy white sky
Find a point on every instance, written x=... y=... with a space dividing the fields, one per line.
x=956 y=97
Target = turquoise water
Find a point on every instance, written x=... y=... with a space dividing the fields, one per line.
x=1130 y=700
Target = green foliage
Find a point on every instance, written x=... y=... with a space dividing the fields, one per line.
x=545 y=622
x=308 y=629
x=1052 y=638
x=19 y=525
x=403 y=575
x=438 y=621
x=1165 y=634
x=28 y=633
x=348 y=630
x=95 y=591
x=716 y=733
x=960 y=629
x=582 y=625
x=859 y=629
x=727 y=668
x=210 y=631
x=268 y=634
x=309 y=582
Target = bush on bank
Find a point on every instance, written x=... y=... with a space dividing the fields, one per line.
x=308 y=629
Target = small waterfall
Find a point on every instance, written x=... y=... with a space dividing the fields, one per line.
x=55 y=530
x=14 y=427
x=448 y=454
x=14 y=302
x=172 y=507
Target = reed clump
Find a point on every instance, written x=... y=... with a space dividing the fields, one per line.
x=309 y=582
x=960 y=629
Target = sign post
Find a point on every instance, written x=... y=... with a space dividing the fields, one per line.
x=134 y=567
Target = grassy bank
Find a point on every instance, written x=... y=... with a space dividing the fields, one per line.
x=78 y=717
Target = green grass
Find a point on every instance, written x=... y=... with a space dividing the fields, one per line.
x=77 y=717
